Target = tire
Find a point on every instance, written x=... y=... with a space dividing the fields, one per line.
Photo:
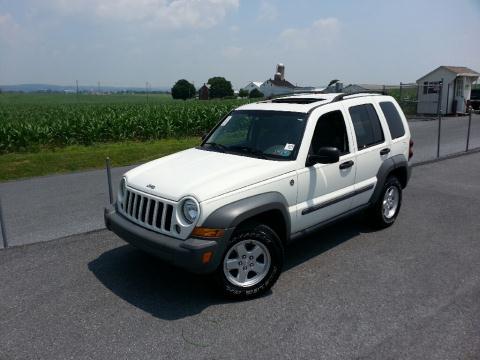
x=384 y=212
x=263 y=250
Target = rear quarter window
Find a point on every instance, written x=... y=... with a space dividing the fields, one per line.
x=368 y=130
x=394 y=121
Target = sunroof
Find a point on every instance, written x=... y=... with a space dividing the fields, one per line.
x=297 y=100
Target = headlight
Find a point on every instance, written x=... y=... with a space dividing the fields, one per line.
x=123 y=186
x=190 y=210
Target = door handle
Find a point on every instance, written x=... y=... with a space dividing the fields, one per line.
x=346 y=165
x=384 y=151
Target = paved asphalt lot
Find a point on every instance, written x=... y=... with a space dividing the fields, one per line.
x=411 y=291
x=51 y=207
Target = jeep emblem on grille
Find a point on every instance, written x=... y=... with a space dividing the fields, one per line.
x=151 y=186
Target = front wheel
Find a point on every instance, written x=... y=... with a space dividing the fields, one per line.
x=252 y=262
x=385 y=211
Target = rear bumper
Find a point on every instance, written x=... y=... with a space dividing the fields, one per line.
x=186 y=254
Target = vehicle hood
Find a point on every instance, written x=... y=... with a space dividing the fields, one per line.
x=202 y=174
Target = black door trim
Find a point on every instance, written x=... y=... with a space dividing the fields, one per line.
x=337 y=199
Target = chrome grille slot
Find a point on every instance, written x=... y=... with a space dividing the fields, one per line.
x=148 y=211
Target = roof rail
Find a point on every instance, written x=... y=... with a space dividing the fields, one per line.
x=359 y=94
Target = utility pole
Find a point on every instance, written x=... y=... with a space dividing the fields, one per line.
x=146 y=90
x=76 y=82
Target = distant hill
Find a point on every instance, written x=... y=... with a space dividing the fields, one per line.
x=82 y=88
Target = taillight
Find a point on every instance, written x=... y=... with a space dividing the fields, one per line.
x=410 y=150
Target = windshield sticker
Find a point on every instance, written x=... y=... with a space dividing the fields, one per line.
x=225 y=122
x=289 y=147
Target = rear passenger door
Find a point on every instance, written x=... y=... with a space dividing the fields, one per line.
x=372 y=146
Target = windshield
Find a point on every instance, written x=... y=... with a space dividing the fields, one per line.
x=274 y=135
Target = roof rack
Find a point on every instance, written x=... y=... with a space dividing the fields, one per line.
x=340 y=97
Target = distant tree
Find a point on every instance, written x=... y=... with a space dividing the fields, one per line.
x=183 y=90
x=255 y=93
x=332 y=82
x=243 y=93
x=220 y=87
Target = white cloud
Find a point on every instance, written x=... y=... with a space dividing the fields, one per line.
x=232 y=52
x=9 y=29
x=322 y=31
x=267 y=12
x=170 y=14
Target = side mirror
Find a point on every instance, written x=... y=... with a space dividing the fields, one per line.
x=324 y=155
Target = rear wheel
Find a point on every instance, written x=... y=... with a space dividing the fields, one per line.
x=385 y=211
x=252 y=262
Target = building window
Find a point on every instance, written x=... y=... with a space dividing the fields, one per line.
x=432 y=87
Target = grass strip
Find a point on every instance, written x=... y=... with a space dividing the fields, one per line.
x=74 y=158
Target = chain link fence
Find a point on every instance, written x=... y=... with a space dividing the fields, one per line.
x=435 y=136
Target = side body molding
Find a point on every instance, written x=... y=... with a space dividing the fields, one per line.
x=390 y=164
x=231 y=215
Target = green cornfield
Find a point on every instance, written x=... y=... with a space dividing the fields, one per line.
x=26 y=127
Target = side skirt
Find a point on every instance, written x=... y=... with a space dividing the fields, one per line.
x=325 y=223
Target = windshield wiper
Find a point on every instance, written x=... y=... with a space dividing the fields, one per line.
x=249 y=150
x=215 y=145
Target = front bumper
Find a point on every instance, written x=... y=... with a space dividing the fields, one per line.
x=186 y=254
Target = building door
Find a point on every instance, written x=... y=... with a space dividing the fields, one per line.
x=460 y=93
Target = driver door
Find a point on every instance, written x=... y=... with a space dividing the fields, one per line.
x=325 y=190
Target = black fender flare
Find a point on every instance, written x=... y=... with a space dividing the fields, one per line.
x=231 y=215
x=390 y=164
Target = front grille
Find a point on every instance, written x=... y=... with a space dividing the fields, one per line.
x=148 y=211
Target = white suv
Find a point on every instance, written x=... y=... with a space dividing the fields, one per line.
x=268 y=173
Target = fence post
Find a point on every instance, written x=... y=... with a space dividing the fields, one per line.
x=470 y=109
x=109 y=180
x=2 y=225
x=400 y=96
x=439 y=113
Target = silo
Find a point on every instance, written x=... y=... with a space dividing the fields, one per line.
x=281 y=70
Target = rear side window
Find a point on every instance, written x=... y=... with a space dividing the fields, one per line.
x=394 y=120
x=368 y=129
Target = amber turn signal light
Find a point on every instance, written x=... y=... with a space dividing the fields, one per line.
x=206 y=257
x=207 y=232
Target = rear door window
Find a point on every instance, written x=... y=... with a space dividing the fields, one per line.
x=394 y=121
x=366 y=123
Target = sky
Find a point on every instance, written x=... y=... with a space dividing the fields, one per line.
x=130 y=42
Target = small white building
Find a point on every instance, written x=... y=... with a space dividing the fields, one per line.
x=273 y=87
x=252 y=85
x=456 y=89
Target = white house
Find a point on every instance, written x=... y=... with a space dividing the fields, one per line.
x=252 y=85
x=276 y=87
x=456 y=89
